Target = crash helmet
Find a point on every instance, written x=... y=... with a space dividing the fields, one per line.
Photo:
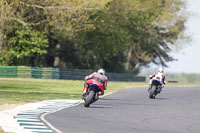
x=101 y=71
x=160 y=70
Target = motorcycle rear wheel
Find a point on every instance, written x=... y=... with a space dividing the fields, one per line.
x=89 y=98
x=152 y=92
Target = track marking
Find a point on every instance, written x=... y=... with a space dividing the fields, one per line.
x=26 y=118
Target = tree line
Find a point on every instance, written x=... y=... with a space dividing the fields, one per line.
x=118 y=35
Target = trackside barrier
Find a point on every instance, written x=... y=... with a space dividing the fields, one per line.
x=37 y=72
x=8 y=71
x=74 y=74
x=57 y=73
x=24 y=72
x=125 y=77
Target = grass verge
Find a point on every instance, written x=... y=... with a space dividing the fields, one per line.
x=20 y=91
x=1 y=131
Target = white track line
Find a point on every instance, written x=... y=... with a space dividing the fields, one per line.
x=42 y=117
x=25 y=118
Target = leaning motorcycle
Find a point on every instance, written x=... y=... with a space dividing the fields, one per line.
x=155 y=89
x=91 y=94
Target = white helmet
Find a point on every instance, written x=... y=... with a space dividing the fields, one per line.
x=102 y=71
x=160 y=70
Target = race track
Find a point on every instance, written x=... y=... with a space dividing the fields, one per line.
x=175 y=110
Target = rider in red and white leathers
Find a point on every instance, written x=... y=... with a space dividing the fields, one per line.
x=159 y=76
x=99 y=78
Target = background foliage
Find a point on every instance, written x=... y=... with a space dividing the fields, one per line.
x=118 y=35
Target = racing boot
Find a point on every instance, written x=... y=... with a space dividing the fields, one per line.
x=159 y=89
x=84 y=93
x=97 y=96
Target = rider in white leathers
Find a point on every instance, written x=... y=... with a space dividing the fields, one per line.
x=159 y=76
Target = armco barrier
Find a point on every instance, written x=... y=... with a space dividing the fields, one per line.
x=56 y=73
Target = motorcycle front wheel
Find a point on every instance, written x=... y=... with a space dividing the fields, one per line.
x=89 y=98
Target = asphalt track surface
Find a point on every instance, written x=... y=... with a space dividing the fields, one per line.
x=175 y=110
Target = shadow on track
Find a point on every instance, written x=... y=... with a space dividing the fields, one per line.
x=109 y=99
x=162 y=98
x=97 y=107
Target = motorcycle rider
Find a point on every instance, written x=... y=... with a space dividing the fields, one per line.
x=99 y=78
x=159 y=76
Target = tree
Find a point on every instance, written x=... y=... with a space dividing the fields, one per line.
x=129 y=34
x=23 y=45
x=119 y=35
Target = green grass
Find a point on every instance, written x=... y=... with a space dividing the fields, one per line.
x=30 y=90
x=19 y=91
x=1 y=131
x=15 y=91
